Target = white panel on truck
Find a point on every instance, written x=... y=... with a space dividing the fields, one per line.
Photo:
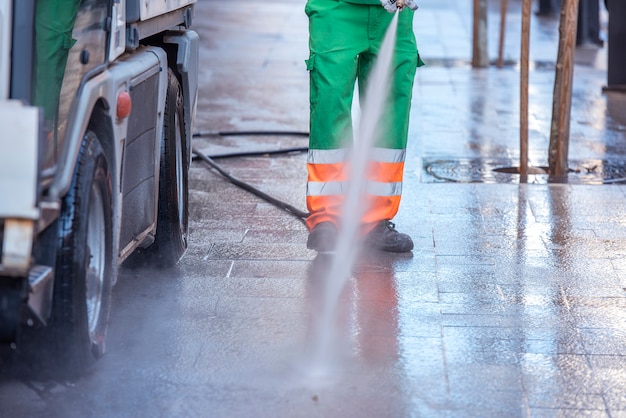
x=151 y=9
x=5 y=47
x=19 y=142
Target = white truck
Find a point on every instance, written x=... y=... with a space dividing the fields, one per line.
x=97 y=105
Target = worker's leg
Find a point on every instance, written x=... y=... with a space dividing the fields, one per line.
x=387 y=166
x=337 y=35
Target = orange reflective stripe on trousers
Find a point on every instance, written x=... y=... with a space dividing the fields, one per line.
x=328 y=183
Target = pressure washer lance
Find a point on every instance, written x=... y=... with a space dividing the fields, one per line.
x=393 y=6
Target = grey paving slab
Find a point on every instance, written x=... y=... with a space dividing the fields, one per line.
x=513 y=302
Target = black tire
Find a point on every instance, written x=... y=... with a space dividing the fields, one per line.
x=76 y=333
x=12 y=293
x=173 y=218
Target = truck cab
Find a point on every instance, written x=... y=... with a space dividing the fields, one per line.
x=97 y=105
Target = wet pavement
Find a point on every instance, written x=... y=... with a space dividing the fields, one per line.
x=513 y=302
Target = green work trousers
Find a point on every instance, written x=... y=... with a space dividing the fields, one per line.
x=344 y=41
x=54 y=22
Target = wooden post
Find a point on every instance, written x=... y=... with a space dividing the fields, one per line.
x=480 y=54
x=562 y=102
x=524 y=69
x=503 y=8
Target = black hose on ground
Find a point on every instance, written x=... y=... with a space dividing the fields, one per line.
x=245 y=186
x=257 y=153
x=251 y=133
x=278 y=203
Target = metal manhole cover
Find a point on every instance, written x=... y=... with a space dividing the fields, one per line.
x=490 y=170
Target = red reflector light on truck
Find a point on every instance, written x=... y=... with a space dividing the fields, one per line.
x=124 y=105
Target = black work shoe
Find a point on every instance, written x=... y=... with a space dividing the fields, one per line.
x=384 y=237
x=323 y=237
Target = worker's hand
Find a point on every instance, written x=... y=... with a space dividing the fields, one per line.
x=410 y=4
x=393 y=6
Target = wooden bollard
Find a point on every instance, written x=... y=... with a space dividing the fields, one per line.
x=480 y=54
x=503 y=10
x=524 y=69
x=562 y=101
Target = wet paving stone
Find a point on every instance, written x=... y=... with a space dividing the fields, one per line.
x=512 y=303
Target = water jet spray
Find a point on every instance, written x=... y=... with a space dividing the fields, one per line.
x=348 y=243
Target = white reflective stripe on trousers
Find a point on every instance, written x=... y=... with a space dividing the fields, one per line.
x=333 y=188
x=338 y=156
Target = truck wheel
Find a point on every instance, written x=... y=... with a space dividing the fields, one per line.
x=12 y=292
x=173 y=218
x=83 y=276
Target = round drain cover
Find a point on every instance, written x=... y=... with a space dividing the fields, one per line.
x=470 y=171
x=484 y=170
